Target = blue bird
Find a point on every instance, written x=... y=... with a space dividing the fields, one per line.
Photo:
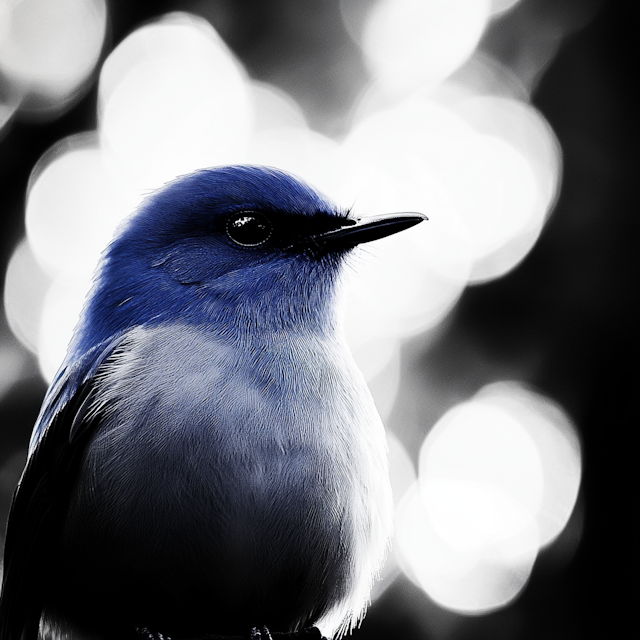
x=208 y=458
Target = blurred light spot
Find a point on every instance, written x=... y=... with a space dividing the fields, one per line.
x=480 y=476
x=558 y=445
x=173 y=99
x=498 y=479
x=274 y=108
x=48 y=49
x=488 y=165
x=73 y=207
x=313 y=157
x=531 y=180
x=25 y=287
x=456 y=579
x=493 y=189
x=522 y=126
x=62 y=306
x=411 y=42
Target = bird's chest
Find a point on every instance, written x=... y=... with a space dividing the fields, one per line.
x=192 y=407
x=218 y=463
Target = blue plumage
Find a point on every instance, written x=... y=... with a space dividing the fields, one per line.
x=209 y=458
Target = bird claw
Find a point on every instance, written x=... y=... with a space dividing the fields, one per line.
x=308 y=633
x=146 y=634
x=262 y=633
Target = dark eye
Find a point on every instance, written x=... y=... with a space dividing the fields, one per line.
x=249 y=229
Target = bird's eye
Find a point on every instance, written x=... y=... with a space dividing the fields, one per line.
x=249 y=229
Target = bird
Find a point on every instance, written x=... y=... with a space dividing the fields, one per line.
x=208 y=459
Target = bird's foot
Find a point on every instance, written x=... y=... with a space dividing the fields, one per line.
x=262 y=633
x=309 y=633
x=145 y=634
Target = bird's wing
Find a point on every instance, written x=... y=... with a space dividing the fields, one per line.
x=39 y=501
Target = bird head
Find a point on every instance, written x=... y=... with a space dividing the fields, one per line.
x=229 y=245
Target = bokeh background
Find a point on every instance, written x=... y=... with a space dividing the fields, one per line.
x=498 y=342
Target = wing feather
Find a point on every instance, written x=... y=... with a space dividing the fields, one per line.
x=39 y=501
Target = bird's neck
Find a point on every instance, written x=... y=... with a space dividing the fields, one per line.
x=253 y=319
x=306 y=306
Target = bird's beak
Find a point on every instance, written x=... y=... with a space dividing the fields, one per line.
x=368 y=229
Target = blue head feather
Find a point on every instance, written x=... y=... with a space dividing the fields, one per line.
x=173 y=258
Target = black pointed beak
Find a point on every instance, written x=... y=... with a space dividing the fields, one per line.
x=368 y=229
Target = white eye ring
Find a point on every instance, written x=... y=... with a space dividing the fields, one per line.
x=249 y=228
